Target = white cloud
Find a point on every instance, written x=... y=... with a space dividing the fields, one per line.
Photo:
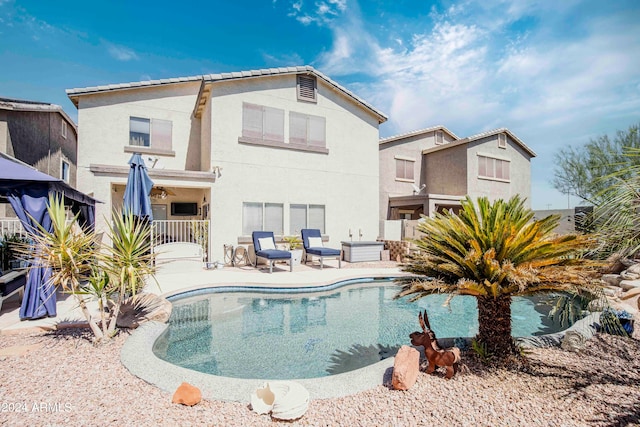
x=324 y=13
x=498 y=63
x=121 y=53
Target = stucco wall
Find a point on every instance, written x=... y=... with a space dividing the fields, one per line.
x=519 y=169
x=446 y=171
x=36 y=139
x=407 y=148
x=103 y=120
x=345 y=180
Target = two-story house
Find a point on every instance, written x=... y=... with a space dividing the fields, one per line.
x=274 y=149
x=41 y=135
x=432 y=169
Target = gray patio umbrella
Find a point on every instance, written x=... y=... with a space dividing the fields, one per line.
x=138 y=189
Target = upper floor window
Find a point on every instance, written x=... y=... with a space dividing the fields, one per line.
x=263 y=123
x=439 y=137
x=306 y=88
x=307 y=130
x=502 y=140
x=154 y=133
x=64 y=128
x=262 y=217
x=306 y=216
x=404 y=169
x=489 y=167
x=64 y=171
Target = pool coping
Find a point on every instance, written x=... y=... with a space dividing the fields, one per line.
x=138 y=357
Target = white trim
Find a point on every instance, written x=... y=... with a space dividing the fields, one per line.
x=488 y=178
x=407 y=158
x=493 y=156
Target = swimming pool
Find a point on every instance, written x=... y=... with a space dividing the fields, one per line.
x=310 y=333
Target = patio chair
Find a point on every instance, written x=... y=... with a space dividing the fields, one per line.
x=265 y=247
x=312 y=242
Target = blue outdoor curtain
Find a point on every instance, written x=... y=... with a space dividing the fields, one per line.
x=39 y=294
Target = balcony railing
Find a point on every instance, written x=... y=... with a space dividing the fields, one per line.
x=9 y=227
x=191 y=231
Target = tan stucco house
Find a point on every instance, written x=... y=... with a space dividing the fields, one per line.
x=275 y=149
x=430 y=170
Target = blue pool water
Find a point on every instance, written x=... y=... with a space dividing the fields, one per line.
x=275 y=335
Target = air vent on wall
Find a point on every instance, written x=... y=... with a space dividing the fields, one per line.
x=306 y=88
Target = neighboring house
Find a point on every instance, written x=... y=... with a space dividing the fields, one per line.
x=41 y=135
x=431 y=170
x=275 y=149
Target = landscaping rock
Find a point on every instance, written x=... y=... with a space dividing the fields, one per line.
x=612 y=279
x=630 y=293
x=141 y=308
x=629 y=284
x=187 y=395
x=405 y=368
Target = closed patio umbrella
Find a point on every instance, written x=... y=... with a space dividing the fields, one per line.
x=138 y=189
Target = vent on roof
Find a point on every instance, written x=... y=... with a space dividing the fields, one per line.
x=502 y=140
x=439 y=137
x=306 y=88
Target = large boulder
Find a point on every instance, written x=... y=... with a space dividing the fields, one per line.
x=141 y=308
x=629 y=284
x=611 y=279
x=188 y=395
x=405 y=368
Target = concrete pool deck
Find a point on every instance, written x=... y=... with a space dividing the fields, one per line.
x=182 y=276
x=178 y=277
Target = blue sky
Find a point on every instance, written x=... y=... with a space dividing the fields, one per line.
x=555 y=73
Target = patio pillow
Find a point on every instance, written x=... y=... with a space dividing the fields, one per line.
x=315 y=242
x=266 y=243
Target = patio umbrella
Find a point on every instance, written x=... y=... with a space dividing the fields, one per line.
x=138 y=189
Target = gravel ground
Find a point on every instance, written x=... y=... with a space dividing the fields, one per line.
x=67 y=381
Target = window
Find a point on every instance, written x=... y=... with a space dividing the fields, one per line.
x=307 y=130
x=489 y=167
x=297 y=218
x=154 y=133
x=502 y=140
x=305 y=216
x=263 y=123
x=64 y=128
x=306 y=88
x=404 y=169
x=439 y=137
x=262 y=217
x=316 y=217
x=64 y=171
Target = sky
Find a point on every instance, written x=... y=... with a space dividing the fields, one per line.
x=555 y=73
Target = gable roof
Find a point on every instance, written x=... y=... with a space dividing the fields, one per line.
x=416 y=133
x=481 y=136
x=35 y=106
x=207 y=79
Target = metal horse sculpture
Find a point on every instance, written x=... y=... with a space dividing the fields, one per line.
x=447 y=358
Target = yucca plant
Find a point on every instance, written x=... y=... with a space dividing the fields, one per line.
x=128 y=261
x=494 y=251
x=88 y=271
x=69 y=252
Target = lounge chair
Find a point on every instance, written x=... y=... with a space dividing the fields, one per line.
x=265 y=247
x=313 y=246
x=12 y=283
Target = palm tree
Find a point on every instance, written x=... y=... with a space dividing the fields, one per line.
x=493 y=252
